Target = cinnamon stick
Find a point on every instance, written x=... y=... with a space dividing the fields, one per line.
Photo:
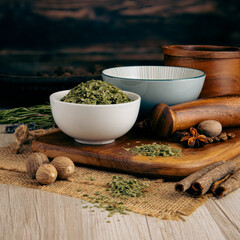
x=231 y=184
x=186 y=183
x=217 y=183
x=203 y=184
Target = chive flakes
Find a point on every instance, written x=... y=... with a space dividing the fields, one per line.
x=155 y=150
x=96 y=92
x=117 y=188
x=91 y=178
x=127 y=187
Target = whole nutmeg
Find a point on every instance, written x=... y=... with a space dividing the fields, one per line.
x=64 y=165
x=46 y=174
x=210 y=128
x=33 y=163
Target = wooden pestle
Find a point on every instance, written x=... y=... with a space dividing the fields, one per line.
x=166 y=120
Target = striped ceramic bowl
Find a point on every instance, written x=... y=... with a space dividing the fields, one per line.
x=157 y=84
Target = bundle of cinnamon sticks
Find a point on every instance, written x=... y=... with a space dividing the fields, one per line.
x=220 y=178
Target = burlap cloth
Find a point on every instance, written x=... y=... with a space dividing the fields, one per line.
x=160 y=201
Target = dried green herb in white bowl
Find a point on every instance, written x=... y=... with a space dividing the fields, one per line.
x=95 y=123
x=96 y=92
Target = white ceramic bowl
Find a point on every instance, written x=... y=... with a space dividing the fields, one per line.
x=94 y=124
x=157 y=84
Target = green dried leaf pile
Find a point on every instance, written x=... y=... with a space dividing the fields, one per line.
x=155 y=150
x=112 y=206
x=127 y=187
x=120 y=190
x=96 y=92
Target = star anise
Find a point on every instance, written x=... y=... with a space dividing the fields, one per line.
x=195 y=139
x=179 y=135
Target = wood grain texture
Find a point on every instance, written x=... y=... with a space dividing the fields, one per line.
x=225 y=212
x=166 y=120
x=51 y=216
x=59 y=144
x=140 y=25
x=145 y=23
x=220 y=63
x=191 y=229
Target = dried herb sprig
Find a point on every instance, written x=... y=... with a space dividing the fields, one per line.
x=155 y=150
x=127 y=187
x=96 y=92
x=39 y=115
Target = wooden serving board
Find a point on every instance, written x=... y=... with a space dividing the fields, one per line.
x=113 y=156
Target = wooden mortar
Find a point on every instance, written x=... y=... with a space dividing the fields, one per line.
x=166 y=120
x=220 y=63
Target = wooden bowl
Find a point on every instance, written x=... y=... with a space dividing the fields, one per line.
x=220 y=63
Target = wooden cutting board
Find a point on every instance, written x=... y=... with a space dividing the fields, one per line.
x=113 y=156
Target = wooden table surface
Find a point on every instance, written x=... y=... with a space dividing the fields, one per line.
x=32 y=214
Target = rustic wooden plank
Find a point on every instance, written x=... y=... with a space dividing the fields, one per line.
x=230 y=206
x=226 y=213
x=23 y=217
x=200 y=225
x=28 y=213
x=33 y=214
x=137 y=23
x=132 y=8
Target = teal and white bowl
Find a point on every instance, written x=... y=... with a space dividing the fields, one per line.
x=157 y=84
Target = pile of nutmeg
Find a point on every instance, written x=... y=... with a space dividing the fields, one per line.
x=38 y=165
x=45 y=172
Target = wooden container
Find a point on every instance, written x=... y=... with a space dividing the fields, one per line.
x=220 y=63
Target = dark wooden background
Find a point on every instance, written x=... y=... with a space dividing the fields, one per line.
x=82 y=37
x=103 y=33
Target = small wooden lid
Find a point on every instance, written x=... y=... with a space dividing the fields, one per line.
x=202 y=51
